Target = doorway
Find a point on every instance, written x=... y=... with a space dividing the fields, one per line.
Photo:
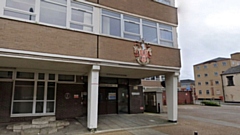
x=107 y=100
x=123 y=100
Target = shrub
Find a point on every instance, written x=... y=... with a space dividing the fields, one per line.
x=210 y=103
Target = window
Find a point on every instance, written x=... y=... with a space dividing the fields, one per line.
x=216 y=82
x=33 y=96
x=131 y=27
x=198 y=75
x=218 y=92
x=207 y=92
x=199 y=83
x=197 y=67
x=206 y=83
x=167 y=2
x=111 y=23
x=150 y=31
x=215 y=64
x=216 y=73
x=23 y=9
x=166 y=35
x=230 y=81
x=200 y=92
x=66 y=78
x=205 y=75
x=81 y=16
x=205 y=66
x=224 y=63
x=6 y=74
x=153 y=78
x=53 y=12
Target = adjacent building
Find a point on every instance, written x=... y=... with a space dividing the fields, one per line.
x=208 y=84
x=72 y=58
x=231 y=84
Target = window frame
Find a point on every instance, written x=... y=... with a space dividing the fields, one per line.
x=35 y=100
x=207 y=92
x=200 y=92
x=230 y=81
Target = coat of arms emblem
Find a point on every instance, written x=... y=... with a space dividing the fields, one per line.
x=142 y=52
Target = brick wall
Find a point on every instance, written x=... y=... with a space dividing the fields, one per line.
x=184 y=97
x=5 y=101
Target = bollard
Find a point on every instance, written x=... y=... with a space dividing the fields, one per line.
x=195 y=133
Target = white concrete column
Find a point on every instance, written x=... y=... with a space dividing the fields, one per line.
x=92 y=116
x=172 y=95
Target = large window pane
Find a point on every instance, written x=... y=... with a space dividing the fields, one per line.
x=111 y=26
x=110 y=13
x=23 y=90
x=25 y=5
x=22 y=107
x=67 y=78
x=39 y=107
x=81 y=16
x=150 y=34
x=81 y=6
x=50 y=106
x=40 y=90
x=53 y=13
x=132 y=27
x=166 y=35
x=51 y=91
x=81 y=27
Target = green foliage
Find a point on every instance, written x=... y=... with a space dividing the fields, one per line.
x=209 y=103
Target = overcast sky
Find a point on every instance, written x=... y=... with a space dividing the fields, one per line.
x=207 y=29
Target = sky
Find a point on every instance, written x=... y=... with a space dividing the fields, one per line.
x=207 y=29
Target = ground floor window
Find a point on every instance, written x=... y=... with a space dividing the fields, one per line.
x=34 y=94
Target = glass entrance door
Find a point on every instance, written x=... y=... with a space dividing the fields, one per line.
x=123 y=100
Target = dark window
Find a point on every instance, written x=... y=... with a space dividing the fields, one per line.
x=207 y=92
x=205 y=75
x=216 y=82
x=206 y=83
x=230 y=80
x=200 y=92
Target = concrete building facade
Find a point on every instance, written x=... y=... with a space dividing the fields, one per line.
x=208 y=84
x=80 y=58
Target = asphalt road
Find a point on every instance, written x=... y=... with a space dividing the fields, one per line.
x=224 y=120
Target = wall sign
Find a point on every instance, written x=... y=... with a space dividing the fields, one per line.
x=135 y=93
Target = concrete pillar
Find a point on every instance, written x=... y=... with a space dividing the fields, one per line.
x=92 y=116
x=172 y=96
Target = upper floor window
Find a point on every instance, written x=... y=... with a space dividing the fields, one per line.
x=53 y=12
x=150 y=31
x=131 y=27
x=216 y=82
x=205 y=75
x=167 y=2
x=200 y=92
x=125 y=26
x=216 y=73
x=215 y=64
x=111 y=23
x=205 y=66
x=199 y=83
x=81 y=16
x=23 y=9
x=207 y=92
x=206 y=83
x=224 y=63
x=198 y=75
x=230 y=81
x=197 y=67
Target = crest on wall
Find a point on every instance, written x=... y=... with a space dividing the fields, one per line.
x=142 y=52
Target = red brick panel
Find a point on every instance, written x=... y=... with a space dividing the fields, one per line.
x=33 y=37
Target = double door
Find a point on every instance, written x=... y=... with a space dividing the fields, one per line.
x=113 y=100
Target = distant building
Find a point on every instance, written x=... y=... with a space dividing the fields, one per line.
x=207 y=75
x=186 y=85
x=231 y=84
